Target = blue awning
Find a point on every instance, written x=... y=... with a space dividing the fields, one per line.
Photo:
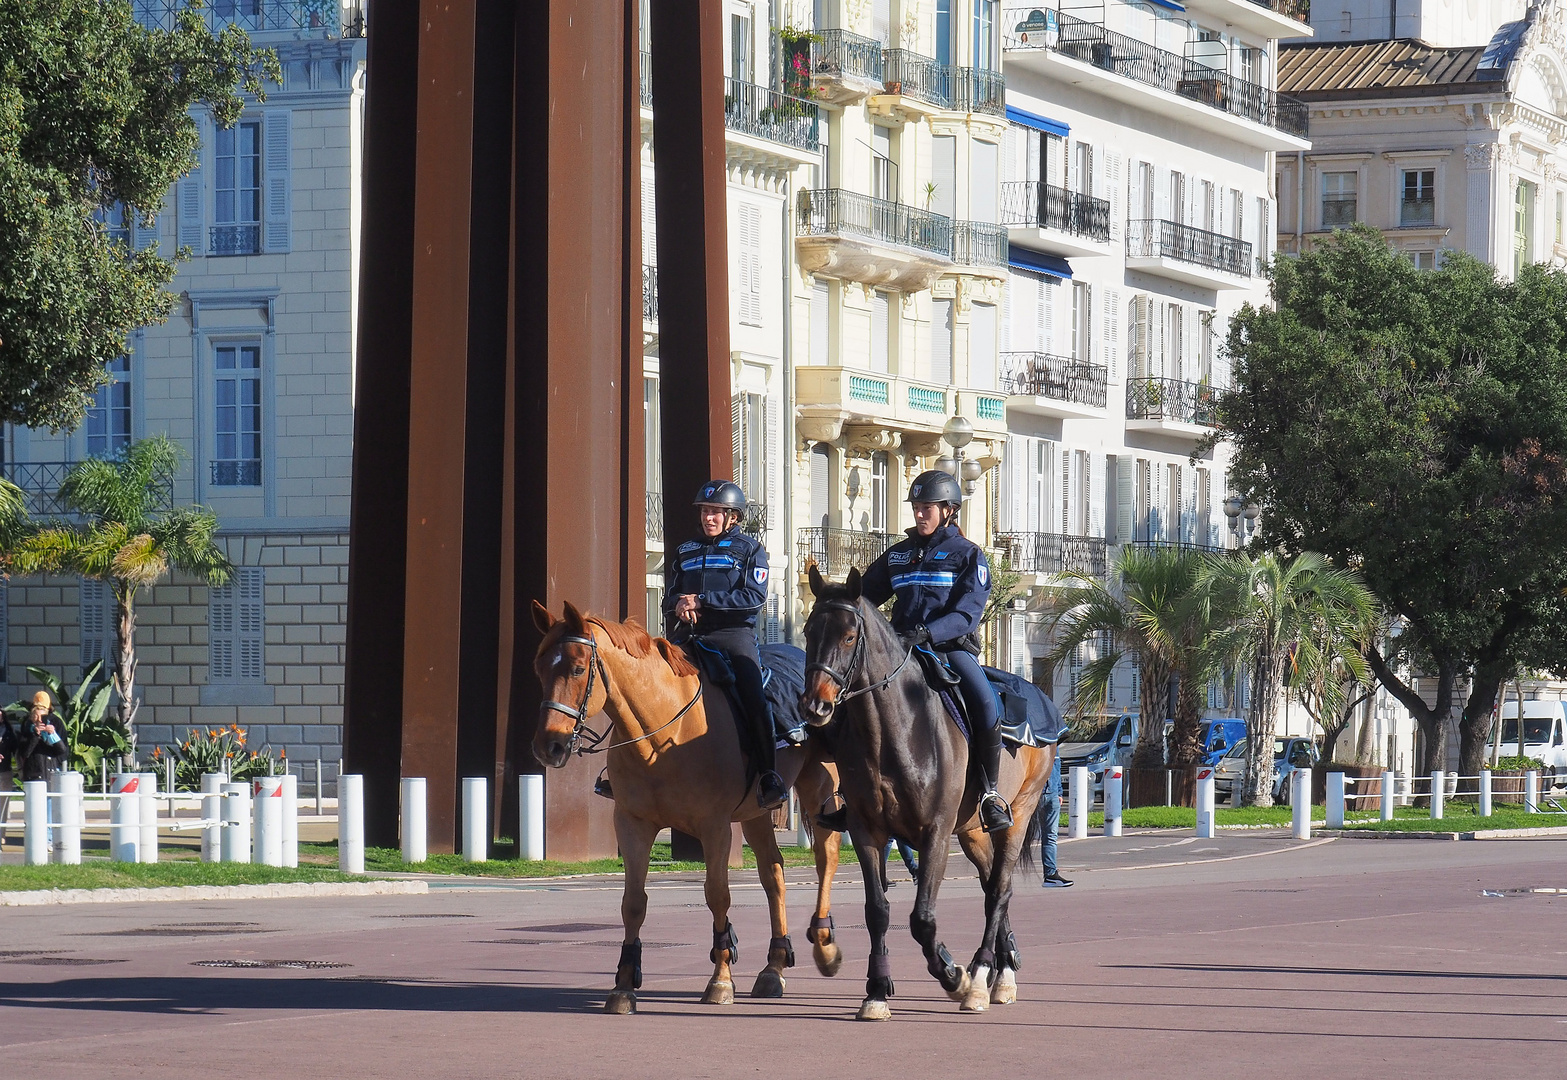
x=1024 y=259
x=1171 y=4
x=1037 y=122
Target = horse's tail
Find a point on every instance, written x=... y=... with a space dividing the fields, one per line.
x=1036 y=832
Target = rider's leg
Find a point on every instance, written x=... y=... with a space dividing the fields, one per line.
x=980 y=701
x=740 y=644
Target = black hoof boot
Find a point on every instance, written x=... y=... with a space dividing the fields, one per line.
x=994 y=813
x=770 y=790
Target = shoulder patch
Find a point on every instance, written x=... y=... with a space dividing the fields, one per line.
x=760 y=574
x=689 y=545
x=984 y=574
x=725 y=543
x=941 y=554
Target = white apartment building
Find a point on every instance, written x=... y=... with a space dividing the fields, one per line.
x=253 y=375
x=1137 y=192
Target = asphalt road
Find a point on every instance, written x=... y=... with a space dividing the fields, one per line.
x=1251 y=954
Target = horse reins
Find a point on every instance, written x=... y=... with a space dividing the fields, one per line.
x=580 y=714
x=855 y=658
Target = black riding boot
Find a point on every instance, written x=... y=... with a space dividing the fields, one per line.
x=994 y=813
x=770 y=789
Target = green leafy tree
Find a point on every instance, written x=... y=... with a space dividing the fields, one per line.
x=94 y=115
x=127 y=540
x=1281 y=619
x=1412 y=425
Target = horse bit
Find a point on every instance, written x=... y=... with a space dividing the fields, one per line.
x=580 y=714
x=855 y=658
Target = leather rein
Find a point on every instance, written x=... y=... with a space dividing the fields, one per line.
x=856 y=658
x=580 y=714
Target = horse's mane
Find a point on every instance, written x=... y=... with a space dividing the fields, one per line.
x=630 y=637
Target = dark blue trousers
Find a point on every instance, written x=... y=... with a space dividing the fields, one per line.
x=978 y=698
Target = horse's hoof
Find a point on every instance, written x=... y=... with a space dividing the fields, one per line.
x=874 y=1009
x=769 y=984
x=621 y=1003
x=1004 y=991
x=961 y=993
x=829 y=958
x=978 y=997
x=719 y=992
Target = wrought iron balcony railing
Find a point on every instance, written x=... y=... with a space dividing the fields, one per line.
x=1053 y=553
x=1046 y=206
x=650 y=294
x=977 y=90
x=1416 y=212
x=979 y=243
x=236 y=473
x=1299 y=10
x=908 y=73
x=836 y=212
x=767 y=114
x=1155 y=237
x=255 y=16
x=1037 y=374
x=1141 y=62
x=40 y=483
x=835 y=551
x=234 y=240
x=645 y=71
x=840 y=54
x=653 y=515
x=1171 y=399
x=1183 y=545
x=755 y=519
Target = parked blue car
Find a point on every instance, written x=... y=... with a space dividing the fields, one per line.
x=1218 y=736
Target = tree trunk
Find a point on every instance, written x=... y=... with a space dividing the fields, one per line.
x=1261 y=726
x=125 y=655
x=1474 y=726
x=1187 y=736
x=1432 y=720
x=1365 y=746
x=1153 y=695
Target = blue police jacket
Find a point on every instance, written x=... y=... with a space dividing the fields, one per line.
x=942 y=583
x=728 y=573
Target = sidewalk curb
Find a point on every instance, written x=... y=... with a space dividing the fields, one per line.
x=285 y=891
x=1473 y=834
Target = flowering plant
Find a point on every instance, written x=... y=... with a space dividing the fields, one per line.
x=218 y=750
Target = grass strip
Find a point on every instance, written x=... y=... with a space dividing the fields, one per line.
x=1459 y=817
x=102 y=874
x=390 y=860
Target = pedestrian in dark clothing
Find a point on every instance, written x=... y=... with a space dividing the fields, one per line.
x=1050 y=811
x=7 y=778
x=40 y=747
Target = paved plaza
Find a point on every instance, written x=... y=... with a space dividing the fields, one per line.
x=1251 y=954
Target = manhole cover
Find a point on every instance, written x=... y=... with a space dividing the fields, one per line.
x=427 y=915
x=302 y=965
x=59 y=961
x=564 y=928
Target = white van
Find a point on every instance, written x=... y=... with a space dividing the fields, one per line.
x=1543 y=724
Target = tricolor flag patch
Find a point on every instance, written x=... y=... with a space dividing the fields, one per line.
x=760 y=574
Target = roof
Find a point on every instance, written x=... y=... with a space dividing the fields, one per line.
x=1402 y=67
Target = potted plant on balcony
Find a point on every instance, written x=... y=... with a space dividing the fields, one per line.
x=795 y=46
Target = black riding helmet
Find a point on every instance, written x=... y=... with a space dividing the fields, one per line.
x=935 y=486
x=724 y=493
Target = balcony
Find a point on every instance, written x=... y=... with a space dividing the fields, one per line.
x=40 y=483
x=1187 y=253
x=258 y=16
x=650 y=294
x=234 y=240
x=1047 y=385
x=760 y=113
x=237 y=473
x=645 y=70
x=1052 y=553
x=890 y=406
x=1262 y=18
x=980 y=247
x=1044 y=217
x=1172 y=406
x=837 y=551
x=845 y=68
x=916 y=85
x=1177 y=543
x=978 y=90
x=1068 y=49
x=1416 y=213
x=653 y=517
x=855 y=237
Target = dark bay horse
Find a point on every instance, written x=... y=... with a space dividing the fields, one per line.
x=675 y=762
x=904 y=769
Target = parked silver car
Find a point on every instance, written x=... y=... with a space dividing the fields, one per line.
x=1289 y=754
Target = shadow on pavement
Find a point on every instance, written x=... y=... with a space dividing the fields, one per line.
x=1401 y=973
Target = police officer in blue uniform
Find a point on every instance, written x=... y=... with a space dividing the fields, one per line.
x=713 y=588
x=942 y=581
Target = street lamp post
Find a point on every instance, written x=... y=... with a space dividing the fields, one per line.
x=957 y=434
x=1242 y=516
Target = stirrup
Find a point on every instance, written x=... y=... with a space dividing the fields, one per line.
x=994 y=813
x=770 y=790
x=834 y=820
x=601 y=786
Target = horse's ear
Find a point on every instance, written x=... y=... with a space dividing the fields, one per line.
x=817 y=582
x=542 y=617
x=852 y=582
x=574 y=620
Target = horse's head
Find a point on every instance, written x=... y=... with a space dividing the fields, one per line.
x=834 y=644
x=573 y=680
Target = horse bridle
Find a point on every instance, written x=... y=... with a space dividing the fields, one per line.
x=855 y=658
x=579 y=715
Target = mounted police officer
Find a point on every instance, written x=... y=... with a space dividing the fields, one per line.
x=713 y=588
x=942 y=581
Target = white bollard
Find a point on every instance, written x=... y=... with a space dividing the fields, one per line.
x=1389 y=783
x=1485 y=792
x=268 y=794
x=212 y=810
x=1114 y=777
x=1438 y=794
x=1531 y=791
x=149 y=817
x=1082 y=798
x=530 y=809
x=1300 y=803
x=290 y=819
x=124 y=818
x=72 y=815
x=1205 y=797
x=475 y=819
x=35 y=836
x=415 y=820
x=1334 y=814
x=351 y=823
x=236 y=823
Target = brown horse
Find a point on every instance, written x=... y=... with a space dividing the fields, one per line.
x=905 y=769
x=675 y=762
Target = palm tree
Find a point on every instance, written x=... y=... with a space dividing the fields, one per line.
x=1141 y=611
x=127 y=539
x=1280 y=619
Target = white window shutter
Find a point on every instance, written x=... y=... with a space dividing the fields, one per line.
x=1097 y=176
x=772 y=457
x=142 y=236
x=222 y=643
x=750 y=258
x=1115 y=193
x=982 y=347
x=819 y=298
x=1137 y=361
x=1125 y=499
x=1064 y=519
x=649 y=224
x=278 y=163
x=1136 y=196
x=983 y=189
x=250 y=623
x=1096 y=495
x=879 y=329
x=1005 y=333
x=944 y=175
x=1044 y=317
x=96 y=620
x=192 y=223
x=941 y=342
x=1110 y=330
x=737 y=436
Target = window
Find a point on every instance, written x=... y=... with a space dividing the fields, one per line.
x=115 y=222
x=982 y=346
x=884 y=178
x=881 y=310
x=1082 y=320
x=1523 y=226
x=879 y=462
x=1177 y=196
x=942 y=198
x=237 y=430
x=941 y=342
x=1339 y=193
x=236 y=620
x=752 y=422
x=1251 y=65
x=1085 y=169
x=109 y=415
x=986 y=25
x=96 y=621
x=1418 y=206
x=819 y=316
x=237 y=215
x=750 y=258
x=943 y=32
x=740 y=48
x=1423 y=260
x=652 y=440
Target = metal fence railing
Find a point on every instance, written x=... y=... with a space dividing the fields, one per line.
x=650 y=294
x=1171 y=399
x=834 y=212
x=1053 y=553
x=1037 y=374
x=979 y=243
x=767 y=114
x=1156 y=237
x=1046 y=206
x=40 y=482
x=653 y=514
x=911 y=75
x=835 y=551
x=840 y=54
x=255 y=16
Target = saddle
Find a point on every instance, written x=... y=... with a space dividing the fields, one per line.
x=1028 y=716
x=783 y=684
